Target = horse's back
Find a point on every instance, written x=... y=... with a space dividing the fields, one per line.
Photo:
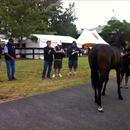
x=104 y=57
x=98 y=55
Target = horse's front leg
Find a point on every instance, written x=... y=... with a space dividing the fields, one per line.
x=118 y=84
x=96 y=98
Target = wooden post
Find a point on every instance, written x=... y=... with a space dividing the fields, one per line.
x=33 y=53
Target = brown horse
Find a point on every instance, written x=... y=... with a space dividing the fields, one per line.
x=102 y=58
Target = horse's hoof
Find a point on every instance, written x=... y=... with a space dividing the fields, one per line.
x=103 y=94
x=120 y=98
x=100 y=109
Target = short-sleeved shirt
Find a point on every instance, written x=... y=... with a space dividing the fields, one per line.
x=58 y=55
x=6 y=49
x=126 y=59
x=9 y=49
x=48 y=54
x=73 y=53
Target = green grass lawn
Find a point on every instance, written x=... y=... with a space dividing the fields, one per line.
x=28 y=75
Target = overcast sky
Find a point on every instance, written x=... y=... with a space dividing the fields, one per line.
x=92 y=13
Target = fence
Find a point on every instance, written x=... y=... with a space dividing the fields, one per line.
x=34 y=53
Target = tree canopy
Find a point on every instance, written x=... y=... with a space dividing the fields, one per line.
x=24 y=17
x=113 y=28
x=19 y=17
x=62 y=22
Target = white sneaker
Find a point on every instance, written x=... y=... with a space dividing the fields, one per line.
x=74 y=73
x=53 y=76
x=70 y=73
x=60 y=75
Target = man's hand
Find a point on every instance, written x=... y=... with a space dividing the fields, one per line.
x=12 y=58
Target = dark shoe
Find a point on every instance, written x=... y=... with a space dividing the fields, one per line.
x=9 y=79
x=49 y=77
x=121 y=86
x=126 y=86
x=43 y=78
x=14 y=78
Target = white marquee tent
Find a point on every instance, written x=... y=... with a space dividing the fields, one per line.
x=90 y=37
x=55 y=39
x=42 y=39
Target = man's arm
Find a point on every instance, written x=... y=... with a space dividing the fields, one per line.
x=60 y=51
x=80 y=51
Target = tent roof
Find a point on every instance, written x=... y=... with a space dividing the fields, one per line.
x=3 y=41
x=98 y=37
x=90 y=37
x=63 y=39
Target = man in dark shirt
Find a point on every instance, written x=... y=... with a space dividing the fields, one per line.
x=59 y=54
x=126 y=65
x=73 y=52
x=48 y=59
x=9 y=51
x=0 y=54
x=0 y=50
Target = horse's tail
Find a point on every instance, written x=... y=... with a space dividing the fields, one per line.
x=94 y=78
x=92 y=58
x=94 y=68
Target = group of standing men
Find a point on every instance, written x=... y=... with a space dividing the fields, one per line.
x=50 y=54
x=57 y=55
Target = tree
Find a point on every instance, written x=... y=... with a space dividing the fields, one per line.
x=114 y=28
x=62 y=21
x=19 y=17
x=47 y=9
x=24 y=17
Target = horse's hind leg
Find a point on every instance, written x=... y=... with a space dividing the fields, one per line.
x=104 y=88
x=100 y=108
x=99 y=96
x=95 y=80
x=102 y=78
x=118 y=83
x=105 y=84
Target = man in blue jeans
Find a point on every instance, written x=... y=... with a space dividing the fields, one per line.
x=9 y=51
x=48 y=59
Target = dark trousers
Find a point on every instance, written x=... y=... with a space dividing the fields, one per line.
x=10 y=64
x=47 y=68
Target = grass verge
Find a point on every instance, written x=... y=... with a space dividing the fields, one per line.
x=28 y=75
